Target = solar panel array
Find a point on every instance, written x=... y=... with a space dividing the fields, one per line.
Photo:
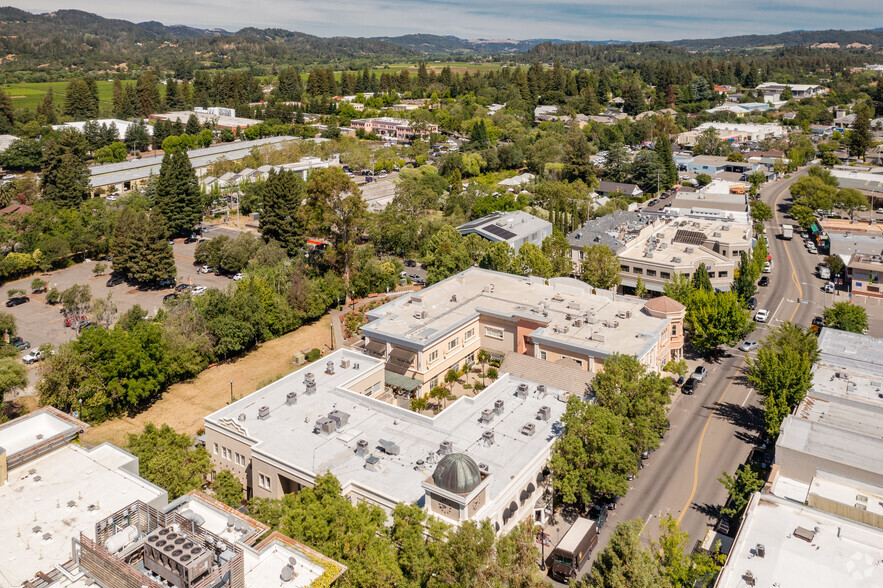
x=499 y=231
x=689 y=237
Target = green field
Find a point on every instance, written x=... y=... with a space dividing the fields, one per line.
x=29 y=96
x=456 y=67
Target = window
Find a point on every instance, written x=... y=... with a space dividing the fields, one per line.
x=493 y=332
x=453 y=344
x=226 y=453
x=470 y=334
x=624 y=269
x=264 y=481
x=433 y=355
x=722 y=274
x=664 y=275
x=674 y=330
x=579 y=362
x=542 y=355
x=735 y=254
x=651 y=273
x=433 y=383
x=216 y=448
x=639 y=271
x=710 y=274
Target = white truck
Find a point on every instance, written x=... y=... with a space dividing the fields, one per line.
x=787 y=232
x=824 y=271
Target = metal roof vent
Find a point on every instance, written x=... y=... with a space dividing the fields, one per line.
x=544 y=413
x=445 y=448
x=529 y=429
x=688 y=250
x=498 y=406
x=263 y=412
x=325 y=426
x=760 y=550
x=329 y=368
x=487 y=415
x=749 y=578
x=676 y=260
x=339 y=418
x=487 y=437
x=291 y=398
x=241 y=417
x=344 y=364
x=483 y=468
x=389 y=447
x=541 y=388
x=372 y=463
x=361 y=448
x=521 y=391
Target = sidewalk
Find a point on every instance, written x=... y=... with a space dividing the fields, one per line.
x=337 y=339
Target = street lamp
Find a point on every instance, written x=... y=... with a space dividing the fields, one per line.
x=231 y=390
x=543 y=548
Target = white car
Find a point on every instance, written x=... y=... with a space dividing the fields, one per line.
x=238 y=276
x=33 y=356
x=762 y=315
x=198 y=290
x=829 y=288
x=767 y=267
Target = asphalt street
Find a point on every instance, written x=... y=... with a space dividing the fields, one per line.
x=715 y=430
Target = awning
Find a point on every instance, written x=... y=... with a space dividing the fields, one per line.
x=401 y=382
x=377 y=349
x=402 y=356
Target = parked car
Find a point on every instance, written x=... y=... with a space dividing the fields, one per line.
x=114 y=281
x=767 y=267
x=699 y=373
x=16 y=301
x=749 y=346
x=829 y=287
x=190 y=239
x=198 y=290
x=20 y=343
x=182 y=287
x=237 y=276
x=598 y=513
x=690 y=386
x=171 y=296
x=764 y=281
x=33 y=356
x=166 y=283
x=410 y=263
x=762 y=315
x=818 y=322
x=171 y=241
x=752 y=303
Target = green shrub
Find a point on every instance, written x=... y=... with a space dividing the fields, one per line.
x=53 y=296
x=313 y=355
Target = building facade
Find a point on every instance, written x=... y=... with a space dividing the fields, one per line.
x=398 y=130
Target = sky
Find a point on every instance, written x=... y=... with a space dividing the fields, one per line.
x=628 y=20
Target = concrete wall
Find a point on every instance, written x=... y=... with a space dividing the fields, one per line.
x=846 y=511
x=802 y=467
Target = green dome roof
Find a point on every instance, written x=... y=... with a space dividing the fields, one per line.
x=457 y=473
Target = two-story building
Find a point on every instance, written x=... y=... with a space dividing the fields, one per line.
x=399 y=130
x=515 y=228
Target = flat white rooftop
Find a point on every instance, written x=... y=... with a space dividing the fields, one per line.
x=32 y=430
x=51 y=499
x=834 y=551
x=851 y=351
x=848 y=384
x=262 y=568
x=287 y=436
x=614 y=324
x=847 y=491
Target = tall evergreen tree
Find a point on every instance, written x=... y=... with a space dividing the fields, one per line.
x=79 y=102
x=667 y=166
x=289 y=87
x=177 y=194
x=137 y=138
x=147 y=94
x=46 y=109
x=282 y=219
x=193 y=127
x=140 y=247
x=173 y=95
x=860 y=138
x=65 y=177
x=7 y=114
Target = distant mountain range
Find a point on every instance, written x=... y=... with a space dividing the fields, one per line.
x=437 y=44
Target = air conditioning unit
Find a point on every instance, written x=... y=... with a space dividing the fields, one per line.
x=263 y=412
x=325 y=426
x=329 y=368
x=544 y=413
x=445 y=448
x=487 y=437
x=362 y=448
x=339 y=417
x=498 y=406
x=291 y=398
x=389 y=447
x=487 y=415
x=521 y=391
x=541 y=388
x=344 y=364
x=529 y=429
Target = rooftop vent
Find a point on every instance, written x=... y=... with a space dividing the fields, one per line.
x=445 y=448
x=263 y=412
x=521 y=391
x=544 y=413
x=498 y=406
x=676 y=260
x=663 y=245
x=760 y=550
x=541 y=388
x=372 y=463
x=529 y=429
x=487 y=415
x=805 y=534
x=389 y=447
x=487 y=437
x=648 y=254
x=578 y=323
x=749 y=578
x=241 y=417
x=483 y=468
x=329 y=368
x=361 y=448
x=688 y=250
x=716 y=234
x=344 y=364
x=291 y=398
x=339 y=417
x=325 y=426
x=309 y=377
x=599 y=337
x=454 y=298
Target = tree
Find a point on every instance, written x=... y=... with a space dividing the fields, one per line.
x=112 y=153
x=177 y=194
x=577 y=156
x=678 y=564
x=850 y=201
x=445 y=255
x=137 y=137
x=846 y=317
x=227 y=488
x=716 y=319
x=761 y=211
x=617 y=165
x=169 y=459
x=46 y=110
x=147 y=95
x=79 y=101
x=740 y=489
x=835 y=264
x=860 y=138
x=593 y=457
x=337 y=210
x=104 y=310
x=23 y=154
x=13 y=374
x=65 y=177
x=624 y=562
x=140 y=247
x=76 y=300
x=667 y=165
x=679 y=288
x=736 y=156
x=282 y=217
x=38 y=285
x=557 y=250
x=703 y=179
x=708 y=142
x=701 y=279
x=745 y=282
x=640 y=288
x=599 y=267
x=530 y=261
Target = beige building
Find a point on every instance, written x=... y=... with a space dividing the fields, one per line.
x=423 y=335
x=864 y=272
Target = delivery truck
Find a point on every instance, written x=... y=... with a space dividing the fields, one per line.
x=787 y=232
x=824 y=272
x=573 y=549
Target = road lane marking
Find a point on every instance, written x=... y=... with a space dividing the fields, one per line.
x=777 y=308
x=794 y=277
x=750 y=392
x=701 y=440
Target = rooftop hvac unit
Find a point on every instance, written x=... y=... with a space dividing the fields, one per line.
x=544 y=413
x=309 y=377
x=649 y=254
x=688 y=250
x=663 y=245
x=372 y=463
x=676 y=260
x=291 y=398
x=445 y=448
x=263 y=412
x=529 y=429
x=329 y=368
x=483 y=468
x=541 y=388
x=578 y=323
x=487 y=437
x=344 y=364
x=339 y=417
x=599 y=337
x=487 y=415
x=521 y=391
x=498 y=406
x=361 y=448
x=325 y=426
x=749 y=578
x=241 y=417
x=310 y=387
x=660 y=236
x=389 y=447
x=716 y=235
x=760 y=550
x=574 y=305
x=565 y=329
x=454 y=298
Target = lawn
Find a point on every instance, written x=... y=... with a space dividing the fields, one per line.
x=29 y=96
x=456 y=67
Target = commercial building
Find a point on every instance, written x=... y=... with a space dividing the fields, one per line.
x=863 y=271
x=734 y=132
x=712 y=165
x=422 y=335
x=482 y=457
x=514 y=228
x=772 y=92
x=122 y=126
x=124 y=176
x=720 y=199
x=222 y=118
x=680 y=247
x=619 y=189
x=785 y=543
x=614 y=230
x=399 y=130
x=303 y=166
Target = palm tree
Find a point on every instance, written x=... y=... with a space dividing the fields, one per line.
x=483 y=358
